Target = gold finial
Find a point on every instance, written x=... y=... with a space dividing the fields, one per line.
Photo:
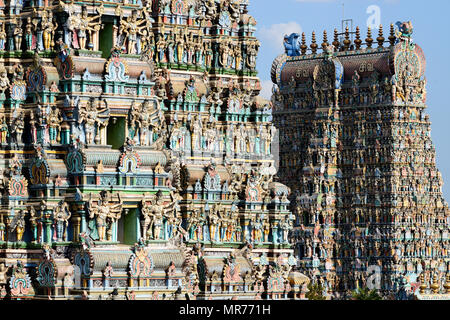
x=447 y=283
x=347 y=41
x=392 y=37
x=435 y=285
x=336 y=43
x=358 y=40
x=314 y=45
x=325 y=39
x=423 y=285
x=369 y=39
x=380 y=38
x=303 y=47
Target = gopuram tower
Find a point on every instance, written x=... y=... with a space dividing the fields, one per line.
x=356 y=151
x=135 y=154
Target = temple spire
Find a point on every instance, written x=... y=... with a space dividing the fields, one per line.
x=336 y=43
x=392 y=36
x=380 y=38
x=314 y=45
x=358 y=40
x=303 y=47
x=369 y=39
x=347 y=41
x=325 y=40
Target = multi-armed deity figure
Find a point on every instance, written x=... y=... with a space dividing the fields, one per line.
x=94 y=117
x=131 y=27
x=83 y=26
x=105 y=213
x=160 y=220
x=145 y=123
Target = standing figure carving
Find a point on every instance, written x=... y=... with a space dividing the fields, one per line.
x=83 y=26
x=106 y=213
x=61 y=216
x=131 y=27
x=94 y=117
x=49 y=27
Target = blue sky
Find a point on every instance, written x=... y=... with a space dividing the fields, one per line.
x=431 y=31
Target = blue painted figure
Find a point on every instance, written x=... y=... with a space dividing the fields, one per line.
x=292 y=44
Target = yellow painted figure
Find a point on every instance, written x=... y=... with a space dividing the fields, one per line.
x=49 y=27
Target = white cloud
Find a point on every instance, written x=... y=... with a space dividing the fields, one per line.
x=273 y=36
x=266 y=89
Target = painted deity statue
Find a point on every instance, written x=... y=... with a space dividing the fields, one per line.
x=4 y=81
x=4 y=131
x=252 y=52
x=2 y=228
x=148 y=214
x=30 y=29
x=18 y=225
x=131 y=27
x=93 y=116
x=214 y=222
x=258 y=229
x=209 y=53
x=83 y=26
x=141 y=127
x=134 y=124
x=36 y=224
x=155 y=212
x=180 y=45
x=192 y=223
x=2 y=36
x=161 y=46
x=49 y=27
x=211 y=9
x=17 y=127
x=61 y=216
x=173 y=222
x=54 y=119
x=17 y=34
x=106 y=213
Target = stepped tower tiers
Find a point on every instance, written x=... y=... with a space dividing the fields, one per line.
x=356 y=151
x=135 y=155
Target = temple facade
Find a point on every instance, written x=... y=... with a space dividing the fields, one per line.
x=356 y=150
x=136 y=156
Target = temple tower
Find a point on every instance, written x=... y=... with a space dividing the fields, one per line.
x=136 y=155
x=356 y=151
